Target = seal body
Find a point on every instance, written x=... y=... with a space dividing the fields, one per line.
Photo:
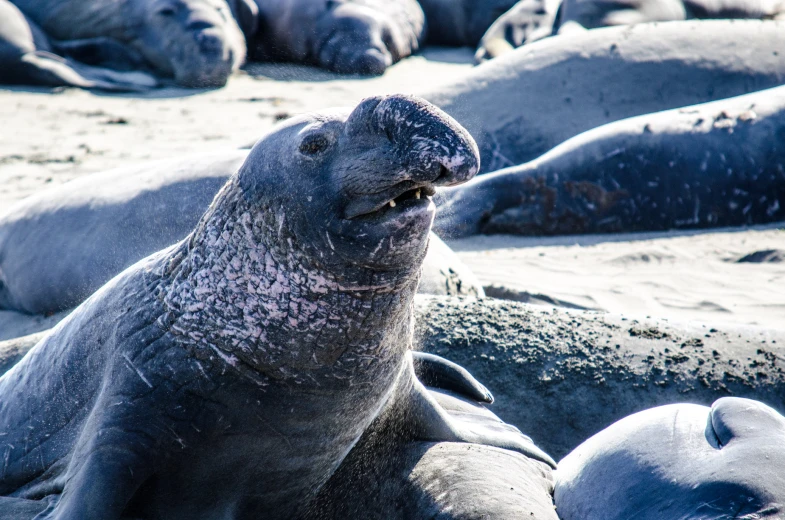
x=521 y=106
x=229 y=374
x=27 y=57
x=702 y=166
x=357 y=36
x=679 y=461
x=196 y=42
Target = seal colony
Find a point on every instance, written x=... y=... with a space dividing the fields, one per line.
x=262 y=345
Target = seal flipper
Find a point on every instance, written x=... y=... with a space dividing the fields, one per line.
x=438 y=372
x=429 y=421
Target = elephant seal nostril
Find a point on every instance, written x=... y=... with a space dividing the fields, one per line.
x=444 y=173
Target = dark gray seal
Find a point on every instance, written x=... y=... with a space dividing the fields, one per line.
x=681 y=461
x=196 y=42
x=586 y=370
x=461 y=23
x=28 y=58
x=231 y=373
x=357 y=36
x=525 y=103
x=59 y=246
x=709 y=165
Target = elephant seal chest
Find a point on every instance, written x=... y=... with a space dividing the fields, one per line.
x=229 y=375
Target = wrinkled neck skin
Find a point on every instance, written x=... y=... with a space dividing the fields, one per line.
x=240 y=289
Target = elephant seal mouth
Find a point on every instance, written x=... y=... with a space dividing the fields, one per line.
x=404 y=198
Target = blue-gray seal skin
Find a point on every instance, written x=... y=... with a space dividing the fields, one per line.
x=681 y=461
x=709 y=165
x=198 y=43
x=230 y=374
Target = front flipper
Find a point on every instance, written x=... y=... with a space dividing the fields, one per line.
x=438 y=372
x=440 y=416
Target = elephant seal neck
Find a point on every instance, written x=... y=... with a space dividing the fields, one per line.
x=242 y=289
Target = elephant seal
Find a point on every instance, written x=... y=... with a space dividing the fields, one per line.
x=196 y=42
x=708 y=165
x=27 y=58
x=260 y=346
x=679 y=461
x=346 y=36
x=523 y=104
x=461 y=23
x=96 y=226
x=586 y=370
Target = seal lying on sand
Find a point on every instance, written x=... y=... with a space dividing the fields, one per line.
x=523 y=104
x=196 y=42
x=679 y=461
x=27 y=58
x=97 y=225
x=261 y=346
x=358 y=36
x=709 y=165
x=586 y=370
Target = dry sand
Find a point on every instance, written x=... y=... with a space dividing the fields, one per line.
x=47 y=138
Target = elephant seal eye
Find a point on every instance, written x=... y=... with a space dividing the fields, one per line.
x=314 y=144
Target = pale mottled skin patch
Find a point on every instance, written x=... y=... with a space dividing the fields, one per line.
x=244 y=289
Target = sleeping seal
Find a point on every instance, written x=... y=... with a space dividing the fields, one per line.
x=230 y=374
x=27 y=58
x=347 y=36
x=681 y=461
x=708 y=165
x=523 y=104
x=196 y=42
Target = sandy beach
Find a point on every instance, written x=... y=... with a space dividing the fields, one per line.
x=49 y=137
